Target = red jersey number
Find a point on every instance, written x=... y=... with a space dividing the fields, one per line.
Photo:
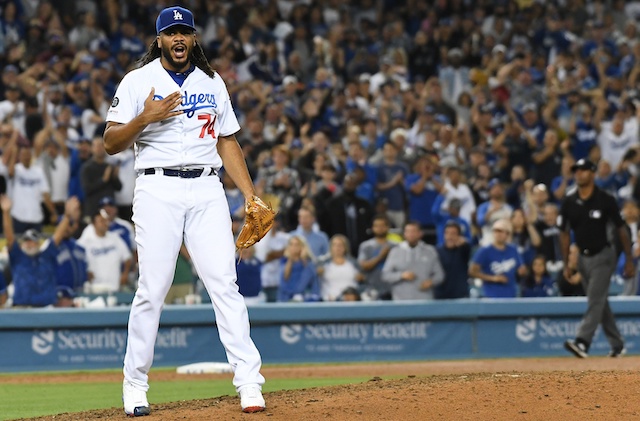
x=207 y=128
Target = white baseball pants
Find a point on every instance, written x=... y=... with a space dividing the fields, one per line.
x=167 y=210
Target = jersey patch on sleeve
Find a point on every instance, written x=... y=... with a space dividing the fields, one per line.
x=115 y=102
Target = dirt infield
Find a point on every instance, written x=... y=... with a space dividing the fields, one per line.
x=550 y=389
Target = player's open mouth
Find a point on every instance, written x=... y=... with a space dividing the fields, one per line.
x=180 y=51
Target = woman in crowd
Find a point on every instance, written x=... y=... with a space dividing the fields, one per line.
x=299 y=279
x=525 y=236
x=338 y=270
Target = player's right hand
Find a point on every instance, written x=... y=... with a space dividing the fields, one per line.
x=162 y=109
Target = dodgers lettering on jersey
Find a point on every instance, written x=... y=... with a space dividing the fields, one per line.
x=187 y=140
x=504 y=266
x=28 y=182
x=99 y=251
x=194 y=102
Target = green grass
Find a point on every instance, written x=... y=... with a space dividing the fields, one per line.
x=32 y=400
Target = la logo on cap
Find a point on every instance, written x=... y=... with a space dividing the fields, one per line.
x=177 y=15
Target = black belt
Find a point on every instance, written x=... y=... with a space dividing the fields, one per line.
x=593 y=251
x=194 y=173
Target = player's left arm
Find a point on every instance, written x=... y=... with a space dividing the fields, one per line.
x=235 y=165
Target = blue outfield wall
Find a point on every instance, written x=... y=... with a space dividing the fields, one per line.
x=78 y=339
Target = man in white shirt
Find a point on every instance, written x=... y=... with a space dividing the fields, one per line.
x=29 y=190
x=13 y=108
x=616 y=137
x=108 y=257
x=454 y=188
x=116 y=224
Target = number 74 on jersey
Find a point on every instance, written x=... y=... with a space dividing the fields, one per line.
x=207 y=127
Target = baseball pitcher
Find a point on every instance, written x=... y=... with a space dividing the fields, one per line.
x=176 y=111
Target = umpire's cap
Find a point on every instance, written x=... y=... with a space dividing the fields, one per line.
x=583 y=164
x=172 y=16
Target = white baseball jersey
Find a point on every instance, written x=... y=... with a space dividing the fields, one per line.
x=614 y=146
x=117 y=227
x=28 y=186
x=105 y=256
x=187 y=140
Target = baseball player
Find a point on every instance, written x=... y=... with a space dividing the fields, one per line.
x=176 y=111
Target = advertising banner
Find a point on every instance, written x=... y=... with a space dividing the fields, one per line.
x=544 y=336
x=76 y=349
x=363 y=341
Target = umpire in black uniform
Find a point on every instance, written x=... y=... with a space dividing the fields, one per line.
x=587 y=212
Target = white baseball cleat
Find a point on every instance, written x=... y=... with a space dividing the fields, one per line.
x=134 y=400
x=251 y=398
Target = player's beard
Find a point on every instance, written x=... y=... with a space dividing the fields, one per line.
x=176 y=64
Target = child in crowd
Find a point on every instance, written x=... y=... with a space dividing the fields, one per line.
x=538 y=283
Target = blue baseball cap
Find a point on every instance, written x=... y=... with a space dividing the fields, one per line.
x=172 y=16
x=493 y=182
x=441 y=118
x=107 y=201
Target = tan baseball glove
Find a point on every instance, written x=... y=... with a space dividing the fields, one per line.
x=258 y=220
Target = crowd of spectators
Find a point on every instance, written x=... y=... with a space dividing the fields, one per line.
x=406 y=143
